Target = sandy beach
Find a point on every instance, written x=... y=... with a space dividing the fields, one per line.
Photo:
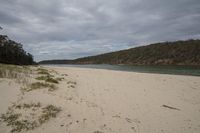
x=107 y=101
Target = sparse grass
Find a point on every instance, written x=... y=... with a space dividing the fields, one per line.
x=39 y=85
x=13 y=71
x=48 y=112
x=20 y=123
x=41 y=78
x=15 y=119
x=51 y=80
x=25 y=105
x=53 y=71
x=44 y=77
x=48 y=78
x=19 y=73
x=60 y=79
x=43 y=71
x=10 y=118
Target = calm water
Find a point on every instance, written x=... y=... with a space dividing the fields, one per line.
x=177 y=70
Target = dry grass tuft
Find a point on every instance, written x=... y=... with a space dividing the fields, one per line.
x=48 y=112
x=19 y=73
x=39 y=85
x=43 y=71
x=24 y=106
x=18 y=122
x=48 y=78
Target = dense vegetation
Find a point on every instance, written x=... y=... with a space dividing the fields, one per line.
x=166 y=53
x=12 y=52
x=57 y=62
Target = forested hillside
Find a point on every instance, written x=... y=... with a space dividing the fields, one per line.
x=166 y=53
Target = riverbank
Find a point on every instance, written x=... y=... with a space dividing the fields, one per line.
x=107 y=101
x=158 y=69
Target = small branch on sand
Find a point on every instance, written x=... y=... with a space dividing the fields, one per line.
x=166 y=106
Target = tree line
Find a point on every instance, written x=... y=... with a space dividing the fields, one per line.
x=166 y=53
x=12 y=52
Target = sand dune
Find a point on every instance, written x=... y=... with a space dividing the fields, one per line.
x=106 y=101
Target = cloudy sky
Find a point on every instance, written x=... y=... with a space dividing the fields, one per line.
x=67 y=29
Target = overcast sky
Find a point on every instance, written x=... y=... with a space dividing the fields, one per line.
x=67 y=29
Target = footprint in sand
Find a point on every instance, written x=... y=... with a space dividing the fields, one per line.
x=135 y=124
x=97 y=132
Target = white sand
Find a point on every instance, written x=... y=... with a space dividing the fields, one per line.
x=115 y=102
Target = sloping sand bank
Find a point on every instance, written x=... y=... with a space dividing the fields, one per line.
x=106 y=101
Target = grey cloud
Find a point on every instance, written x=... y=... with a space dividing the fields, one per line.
x=69 y=29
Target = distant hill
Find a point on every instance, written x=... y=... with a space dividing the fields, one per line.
x=56 y=62
x=12 y=52
x=165 y=53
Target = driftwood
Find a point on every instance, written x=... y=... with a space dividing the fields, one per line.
x=166 y=106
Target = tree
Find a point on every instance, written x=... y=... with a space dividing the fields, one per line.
x=12 y=52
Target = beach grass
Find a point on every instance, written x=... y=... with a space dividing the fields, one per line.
x=48 y=112
x=39 y=85
x=19 y=123
x=60 y=79
x=48 y=78
x=20 y=74
x=43 y=71
x=25 y=105
x=13 y=71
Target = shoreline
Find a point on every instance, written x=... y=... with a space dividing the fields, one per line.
x=80 y=66
x=107 y=101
